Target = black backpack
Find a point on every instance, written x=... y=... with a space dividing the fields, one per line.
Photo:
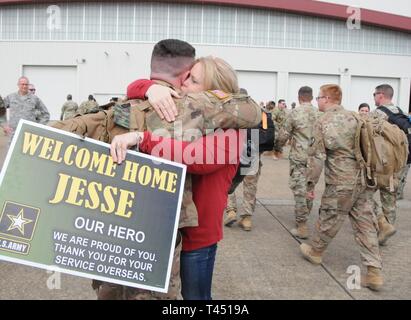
x=402 y=121
x=250 y=157
x=266 y=133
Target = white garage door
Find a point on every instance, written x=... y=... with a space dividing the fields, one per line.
x=261 y=86
x=362 y=89
x=53 y=84
x=315 y=81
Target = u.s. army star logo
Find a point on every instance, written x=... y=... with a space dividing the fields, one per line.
x=18 y=220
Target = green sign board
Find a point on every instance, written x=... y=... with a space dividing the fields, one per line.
x=65 y=205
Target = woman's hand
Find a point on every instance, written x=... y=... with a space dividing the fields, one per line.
x=160 y=97
x=7 y=130
x=120 y=144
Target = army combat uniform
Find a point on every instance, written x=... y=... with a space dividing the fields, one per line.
x=197 y=113
x=403 y=181
x=69 y=110
x=249 y=194
x=87 y=106
x=388 y=198
x=27 y=107
x=279 y=117
x=344 y=194
x=299 y=128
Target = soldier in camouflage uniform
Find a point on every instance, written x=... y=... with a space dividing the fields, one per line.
x=299 y=128
x=403 y=181
x=345 y=194
x=250 y=183
x=87 y=106
x=25 y=105
x=279 y=115
x=69 y=109
x=197 y=113
x=386 y=217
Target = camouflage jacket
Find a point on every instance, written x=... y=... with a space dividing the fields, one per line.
x=197 y=114
x=68 y=110
x=379 y=113
x=299 y=128
x=333 y=141
x=279 y=116
x=27 y=107
x=86 y=106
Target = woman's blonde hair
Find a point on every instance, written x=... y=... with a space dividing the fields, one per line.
x=219 y=75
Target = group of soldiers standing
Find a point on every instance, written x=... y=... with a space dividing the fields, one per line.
x=25 y=104
x=71 y=108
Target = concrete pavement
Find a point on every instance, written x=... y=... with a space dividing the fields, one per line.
x=262 y=264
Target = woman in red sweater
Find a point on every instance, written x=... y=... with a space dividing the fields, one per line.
x=211 y=180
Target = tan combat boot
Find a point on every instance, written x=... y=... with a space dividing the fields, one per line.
x=373 y=279
x=386 y=230
x=309 y=253
x=301 y=231
x=245 y=223
x=230 y=218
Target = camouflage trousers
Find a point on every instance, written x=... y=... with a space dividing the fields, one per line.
x=337 y=202
x=277 y=147
x=389 y=199
x=298 y=185
x=249 y=194
x=403 y=181
x=112 y=291
x=388 y=205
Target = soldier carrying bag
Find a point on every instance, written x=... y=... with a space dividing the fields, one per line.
x=403 y=122
x=381 y=149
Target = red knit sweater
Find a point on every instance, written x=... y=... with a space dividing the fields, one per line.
x=211 y=181
x=138 y=88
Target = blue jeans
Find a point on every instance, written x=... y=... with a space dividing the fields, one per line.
x=196 y=272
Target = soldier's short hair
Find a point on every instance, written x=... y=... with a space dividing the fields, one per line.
x=243 y=91
x=90 y=97
x=21 y=78
x=281 y=101
x=305 y=93
x=69 y=97
x=332 y=91
x=172 y=57
x=386 y=89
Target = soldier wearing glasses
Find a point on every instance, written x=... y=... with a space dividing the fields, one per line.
x=386 y=218
x=23 y=104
